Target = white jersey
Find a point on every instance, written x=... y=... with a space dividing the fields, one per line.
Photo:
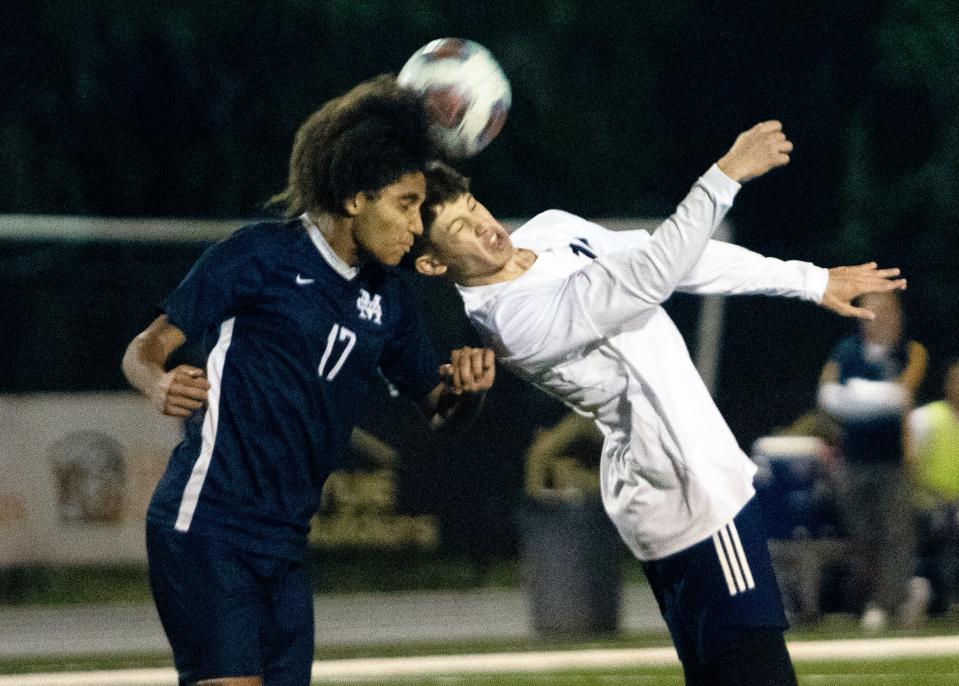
x=584 y=323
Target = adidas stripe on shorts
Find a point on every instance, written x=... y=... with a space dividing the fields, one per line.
x=721 y=583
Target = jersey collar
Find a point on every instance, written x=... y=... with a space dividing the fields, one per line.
x=326 y=252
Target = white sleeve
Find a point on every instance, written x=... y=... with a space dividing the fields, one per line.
x=860 y=400
x=618 y=285
x=727 y=269
x=920 y=430
x=538 y=326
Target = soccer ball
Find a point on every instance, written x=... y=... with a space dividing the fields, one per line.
x=466 y=93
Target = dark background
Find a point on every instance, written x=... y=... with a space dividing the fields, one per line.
x=188 y=109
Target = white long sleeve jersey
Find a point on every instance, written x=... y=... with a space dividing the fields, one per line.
x=584 y=323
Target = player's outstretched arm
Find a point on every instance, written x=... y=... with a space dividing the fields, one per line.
x=654 y=271
x=177 y=392
x=756 y=151
x=456 y=401
x=848 y=283
x=610 y=293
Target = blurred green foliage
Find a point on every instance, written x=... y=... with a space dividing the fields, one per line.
x=901 y=190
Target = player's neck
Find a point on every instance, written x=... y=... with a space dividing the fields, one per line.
x=517 y=265
x=338 y=234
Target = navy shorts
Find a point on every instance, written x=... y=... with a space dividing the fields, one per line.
x=229 y=612
x=723 y=583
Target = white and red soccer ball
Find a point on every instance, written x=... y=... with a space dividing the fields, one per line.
x=466 y=93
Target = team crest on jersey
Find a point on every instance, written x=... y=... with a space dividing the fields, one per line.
x=369 y=307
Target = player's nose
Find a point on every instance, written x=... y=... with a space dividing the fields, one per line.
x=416 y=224
x=484 y=228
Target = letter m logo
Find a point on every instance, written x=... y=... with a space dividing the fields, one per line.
x=369 y=307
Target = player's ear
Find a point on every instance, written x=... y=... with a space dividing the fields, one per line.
x=353 y=204
x=428 y=265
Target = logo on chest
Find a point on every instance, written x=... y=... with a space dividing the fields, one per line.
x=369 y=307
x=582 y=248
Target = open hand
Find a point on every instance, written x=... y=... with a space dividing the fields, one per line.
x=848 y=283
x=756 y=151
x=471 y=370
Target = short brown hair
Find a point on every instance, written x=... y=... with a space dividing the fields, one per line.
x=361 y=141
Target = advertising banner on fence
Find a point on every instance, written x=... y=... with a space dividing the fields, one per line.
x=77 y=472
x=76 y=475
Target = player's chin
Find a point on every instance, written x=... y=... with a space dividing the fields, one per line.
x=393 y=257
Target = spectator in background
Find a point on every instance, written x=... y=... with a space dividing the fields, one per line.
x=868 y=384
x=933 y=450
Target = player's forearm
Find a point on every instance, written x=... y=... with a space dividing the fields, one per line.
x=144 y=362
x=727 y=269
x=615 y=288
x=679 y=242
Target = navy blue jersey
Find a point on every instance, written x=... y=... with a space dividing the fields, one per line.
x=873 y=440
x=293 y=338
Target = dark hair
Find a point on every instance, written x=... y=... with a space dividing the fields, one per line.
x=443 y=184
x=361 y=141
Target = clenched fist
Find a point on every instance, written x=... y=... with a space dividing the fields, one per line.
x=756 y=151
x=471 y=370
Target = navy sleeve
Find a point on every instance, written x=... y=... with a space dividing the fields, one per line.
x=215 y=286
x=409 y=361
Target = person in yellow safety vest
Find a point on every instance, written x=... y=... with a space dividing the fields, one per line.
x=933 y=448
x=934 y=441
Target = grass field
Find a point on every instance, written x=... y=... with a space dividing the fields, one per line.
x=908 y=661
x=911 y=672
x=906 y=672
x=929 y=656
x=903 y=672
